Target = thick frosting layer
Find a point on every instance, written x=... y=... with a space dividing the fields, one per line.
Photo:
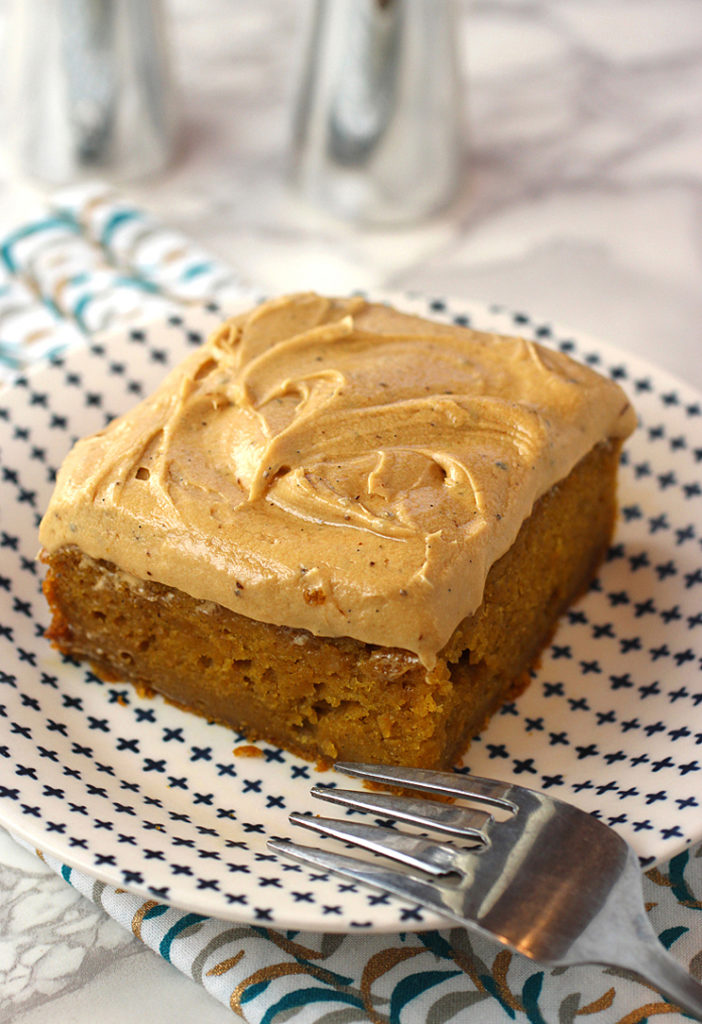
x=336 y=466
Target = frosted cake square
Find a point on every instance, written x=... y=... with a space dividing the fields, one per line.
x=337 y=527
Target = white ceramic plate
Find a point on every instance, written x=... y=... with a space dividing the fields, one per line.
x=142 y=795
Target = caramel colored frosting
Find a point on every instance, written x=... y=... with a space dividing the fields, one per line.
x=336 y=466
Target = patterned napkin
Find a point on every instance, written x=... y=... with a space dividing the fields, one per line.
x=94 y=262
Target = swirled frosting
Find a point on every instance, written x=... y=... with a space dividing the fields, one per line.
x=336 y=466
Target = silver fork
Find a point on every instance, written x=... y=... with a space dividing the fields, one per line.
x=549 y=881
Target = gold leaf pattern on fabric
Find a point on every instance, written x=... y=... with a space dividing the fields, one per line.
x=225 y=965
x=139 y=916
x=649 y=1010
x=280 y=970
x=240 y=934
x=499 y=973
x=658 y=877
x=597 y=1005
x=379 y=964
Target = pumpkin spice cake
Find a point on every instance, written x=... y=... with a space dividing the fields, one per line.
x=337 y=527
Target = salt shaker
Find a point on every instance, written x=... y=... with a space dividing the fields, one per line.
x=89 y=87
x=377 y=124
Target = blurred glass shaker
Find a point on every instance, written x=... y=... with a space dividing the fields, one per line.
x=89 y=88
x=377 y=126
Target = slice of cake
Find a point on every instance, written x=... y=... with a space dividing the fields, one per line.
x=339 y=528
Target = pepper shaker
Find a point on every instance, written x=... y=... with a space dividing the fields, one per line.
x=377 y=123
x=89 y=88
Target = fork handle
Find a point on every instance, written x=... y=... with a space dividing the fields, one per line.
x=656 y=966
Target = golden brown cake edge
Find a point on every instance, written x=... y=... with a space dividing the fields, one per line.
x=328 y=698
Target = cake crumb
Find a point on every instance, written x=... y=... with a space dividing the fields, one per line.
x=247 y=750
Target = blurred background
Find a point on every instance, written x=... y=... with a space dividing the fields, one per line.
x=579 y=196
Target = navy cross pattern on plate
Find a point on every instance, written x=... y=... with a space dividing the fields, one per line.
x=142 y=795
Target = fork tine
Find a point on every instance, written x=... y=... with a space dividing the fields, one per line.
x=457 y=821
x=445 y=783
x=425 y=854
x=417 y=890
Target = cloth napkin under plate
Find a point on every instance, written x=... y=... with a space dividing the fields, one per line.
x=94 y=261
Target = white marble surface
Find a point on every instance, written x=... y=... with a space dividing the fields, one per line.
x=581 y=203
